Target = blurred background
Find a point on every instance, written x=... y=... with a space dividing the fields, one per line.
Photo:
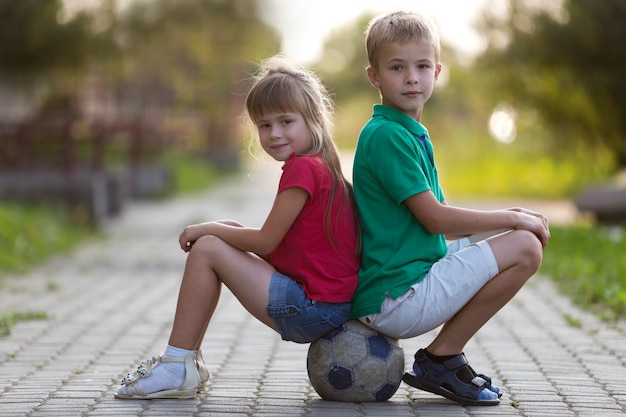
x=102 y=101
x=532 y=101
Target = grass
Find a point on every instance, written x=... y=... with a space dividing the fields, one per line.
x=30 y=234
x=190 y=174
x=472 y=164
x=9 y=318
x=588 y=264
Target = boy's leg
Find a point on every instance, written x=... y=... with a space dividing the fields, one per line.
x=442 y=368
x=518 y=255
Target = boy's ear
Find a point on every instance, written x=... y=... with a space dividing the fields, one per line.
x=437 y=71
x=372 y=76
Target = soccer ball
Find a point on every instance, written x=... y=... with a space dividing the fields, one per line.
x=355 y=363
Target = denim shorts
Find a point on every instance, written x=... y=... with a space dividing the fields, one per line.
x=447 y=287
x=298 y=318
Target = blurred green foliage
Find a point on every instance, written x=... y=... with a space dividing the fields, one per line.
x=191 y=174
x=199 y=53
x=588 y=264
x=31 y=234
x=562 y=64
x=178 y=67
x=35 y=41
x=185 y=64
x=472 y=164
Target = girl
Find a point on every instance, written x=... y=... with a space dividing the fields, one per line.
x=298 y=272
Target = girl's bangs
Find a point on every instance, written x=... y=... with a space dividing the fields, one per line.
x=279 y=96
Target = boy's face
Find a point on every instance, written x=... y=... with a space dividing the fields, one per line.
x=405 y=75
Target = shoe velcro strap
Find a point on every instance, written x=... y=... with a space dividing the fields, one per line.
x=170 y=359
x=456 y=362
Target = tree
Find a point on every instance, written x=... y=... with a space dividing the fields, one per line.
x=170 y=69
x=566 y=61
x=35 y=41
x=197 y=54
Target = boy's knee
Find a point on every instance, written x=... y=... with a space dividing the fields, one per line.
x=531 y=250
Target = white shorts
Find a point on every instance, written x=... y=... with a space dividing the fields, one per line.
x=447 y=287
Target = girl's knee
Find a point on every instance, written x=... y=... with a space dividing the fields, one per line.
x=207 y=245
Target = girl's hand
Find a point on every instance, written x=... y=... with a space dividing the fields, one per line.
x=190 y=234
x=194 y=232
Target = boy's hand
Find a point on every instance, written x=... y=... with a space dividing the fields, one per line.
x=534 y=222
x=531 y=213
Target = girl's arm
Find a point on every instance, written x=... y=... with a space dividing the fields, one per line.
x=287 y=206
x=440 y=218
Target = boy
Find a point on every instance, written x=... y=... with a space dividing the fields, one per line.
x=410 y=281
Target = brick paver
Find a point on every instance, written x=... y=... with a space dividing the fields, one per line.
x=111 y=303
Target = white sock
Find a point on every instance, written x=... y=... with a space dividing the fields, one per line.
x=165 y=376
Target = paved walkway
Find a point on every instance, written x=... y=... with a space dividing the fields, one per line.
x=110 y=305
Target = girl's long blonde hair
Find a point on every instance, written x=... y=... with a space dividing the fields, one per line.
x=282 y=86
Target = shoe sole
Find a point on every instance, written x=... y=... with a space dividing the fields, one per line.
x=178 y=394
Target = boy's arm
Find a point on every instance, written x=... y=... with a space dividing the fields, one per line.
x=476 y=237
x=473 y=237
x=440 y=218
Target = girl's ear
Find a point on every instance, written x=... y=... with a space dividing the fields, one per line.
x=372 y=76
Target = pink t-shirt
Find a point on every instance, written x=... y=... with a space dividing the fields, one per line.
x=327 y=273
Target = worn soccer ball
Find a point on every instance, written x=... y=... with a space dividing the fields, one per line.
x=355 y=363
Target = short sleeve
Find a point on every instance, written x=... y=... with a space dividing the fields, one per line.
x=302 y=172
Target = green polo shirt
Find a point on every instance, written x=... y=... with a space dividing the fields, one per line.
x=394 y=160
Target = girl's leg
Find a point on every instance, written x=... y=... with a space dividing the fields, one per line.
x=518 y=254
x=210 y=263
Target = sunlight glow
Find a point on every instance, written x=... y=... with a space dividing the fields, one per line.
x=502 y=124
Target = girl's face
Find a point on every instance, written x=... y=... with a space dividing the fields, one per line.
x=406 y=75
x=282 y=134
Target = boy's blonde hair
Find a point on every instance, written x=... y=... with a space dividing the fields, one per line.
x=399 y=26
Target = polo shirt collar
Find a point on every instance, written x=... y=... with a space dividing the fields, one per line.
x=397 y=116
